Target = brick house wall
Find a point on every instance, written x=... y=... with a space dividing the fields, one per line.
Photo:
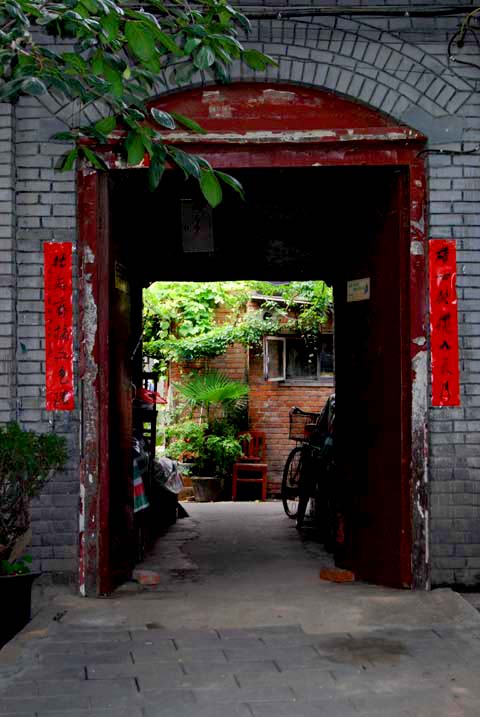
x=398 y=66
x=269 y=405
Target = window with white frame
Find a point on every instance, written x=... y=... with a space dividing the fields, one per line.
x=290 y=358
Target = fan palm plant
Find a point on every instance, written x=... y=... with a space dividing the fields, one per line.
x=214 y=389
x=211 y=442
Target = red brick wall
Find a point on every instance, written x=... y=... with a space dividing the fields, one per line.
x=233 y=363
x=269 y=406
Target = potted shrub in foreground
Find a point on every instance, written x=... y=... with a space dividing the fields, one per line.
x=209 y=439
x=27 y=461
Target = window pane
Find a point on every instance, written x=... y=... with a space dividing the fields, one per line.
x=275 y=359
x=301 y=361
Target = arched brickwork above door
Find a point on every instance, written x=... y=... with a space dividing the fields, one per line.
x=351 y=58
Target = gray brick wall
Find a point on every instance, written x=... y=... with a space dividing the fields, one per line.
x=45 y=211
x=7 y=265
x=398 y=66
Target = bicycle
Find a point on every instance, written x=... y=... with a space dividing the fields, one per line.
x=301 y=425
x=310 y=469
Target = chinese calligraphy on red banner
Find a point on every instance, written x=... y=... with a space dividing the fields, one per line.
x=444 y=323
x=58 y=326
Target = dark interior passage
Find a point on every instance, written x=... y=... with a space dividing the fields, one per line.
x=339 y=225
x=294 y=224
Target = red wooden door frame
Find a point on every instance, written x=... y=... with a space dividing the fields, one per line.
x=365 y=146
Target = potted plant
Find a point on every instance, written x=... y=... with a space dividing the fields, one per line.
x=27 y=461
x=208 y=451
x=210 y=442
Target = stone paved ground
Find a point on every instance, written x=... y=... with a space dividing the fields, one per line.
x=128 y=656
x=263 y=672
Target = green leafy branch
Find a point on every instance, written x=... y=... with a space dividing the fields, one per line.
x=181 y=322
x=114 y=55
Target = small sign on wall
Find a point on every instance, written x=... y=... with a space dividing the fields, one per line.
x=358 y=290
x=444 y=323
x=58 y=326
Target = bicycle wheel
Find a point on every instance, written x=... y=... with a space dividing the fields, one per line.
x=291 y=477
x=307 y=486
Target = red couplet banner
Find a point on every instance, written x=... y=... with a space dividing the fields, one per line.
x=444 y=323
x=58 y=326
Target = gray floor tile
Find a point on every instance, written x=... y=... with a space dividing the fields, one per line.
x=115 y=700
x=116 y=712
x=288 y=678
x=166 y=671
x=253 y=694
x=169 y=698
x=46 y=672
x=63 y=662
x=42 y=704
x=66 y=634
x=204 y=680
x=317 y=693
x=20 y=688
x=81 y=649
x=198 y=642
x=125 y=686
x=149 y=654
x=304 y=709
x=410 y=703
x=260 y=632
x=231 y=668
x=295 y=655
x=218 y=710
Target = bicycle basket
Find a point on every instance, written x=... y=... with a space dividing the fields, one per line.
x=301 y=424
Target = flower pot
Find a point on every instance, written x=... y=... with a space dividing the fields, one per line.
x=16 y=602
x=206 y=489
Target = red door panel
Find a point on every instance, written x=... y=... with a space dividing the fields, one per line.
x=117 y=556
x=373 y=397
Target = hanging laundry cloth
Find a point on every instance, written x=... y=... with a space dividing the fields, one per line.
x=140 y=467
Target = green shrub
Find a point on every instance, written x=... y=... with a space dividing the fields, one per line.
x=27 y=461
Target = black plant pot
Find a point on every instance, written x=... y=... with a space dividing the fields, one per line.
x=16 y=604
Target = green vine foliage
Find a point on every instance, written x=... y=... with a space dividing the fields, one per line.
x=114 y=54
x=180 y=318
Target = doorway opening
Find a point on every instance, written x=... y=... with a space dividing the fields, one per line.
x=345 y=226
x=349 y=214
